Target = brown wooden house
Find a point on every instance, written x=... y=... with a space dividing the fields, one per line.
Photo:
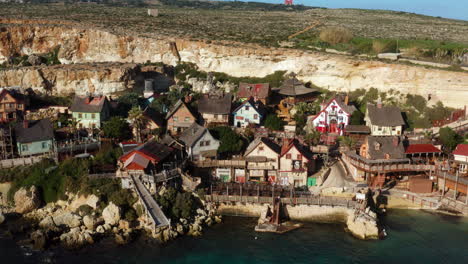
x=180 y=118
x=12 y=105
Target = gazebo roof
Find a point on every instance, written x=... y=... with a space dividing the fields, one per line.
x=293 y=87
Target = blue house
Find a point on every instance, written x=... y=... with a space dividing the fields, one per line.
x=249 y=112
x=34 y=137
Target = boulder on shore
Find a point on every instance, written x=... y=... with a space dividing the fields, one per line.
x=2 y=218
x=39 y=239
x=27 y=200
x=89 y=221
x=68 y=219
x=362 y=227
x=111 y=214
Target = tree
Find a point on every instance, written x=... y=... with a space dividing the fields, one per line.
x=357 y=118
x=230 y=142
x=136 y=117
x=313 y=138
x=127 y=102
x=273 y=122
x=117 y=128
x=450 y=139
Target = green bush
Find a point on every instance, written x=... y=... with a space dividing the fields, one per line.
x=84 y=210
x=130 y=215
x=273 y=122
x=178 y=204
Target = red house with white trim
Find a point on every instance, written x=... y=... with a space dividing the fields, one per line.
x=334 y=116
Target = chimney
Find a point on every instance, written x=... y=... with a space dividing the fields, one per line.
x=396 y=141
x=346 y=99
x=25 y=124
x=379 y=103
x=188 y=99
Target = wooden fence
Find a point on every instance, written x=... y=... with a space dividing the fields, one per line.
x=11 y=163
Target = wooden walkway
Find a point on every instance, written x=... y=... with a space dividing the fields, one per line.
x=11 y=163
x=152 y=208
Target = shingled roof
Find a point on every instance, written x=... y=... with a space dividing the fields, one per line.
x=258 y=106
x=259 y=90
x=273 y=146
x=36 y=130
x=151 y=150
x=378 y=147
x=88 y=104
x=176 y=107
x=192 y=134
x=215 y=104
x=385 y=115
x=293 y=87
x=462 y=150
x=154 y=115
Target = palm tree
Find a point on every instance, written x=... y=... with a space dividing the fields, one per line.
x=136 y=117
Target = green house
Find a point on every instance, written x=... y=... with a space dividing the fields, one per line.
x=34 y=137
x=90 y=112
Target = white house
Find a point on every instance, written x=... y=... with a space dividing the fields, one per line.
x=249 y=112
x=262 y=156
x=334 y=116
x=460 y=156
x=199 y=143
x=384 y=120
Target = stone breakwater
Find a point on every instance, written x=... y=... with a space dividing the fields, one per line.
x=81 y=220
x=363 y=227
x=332 y=71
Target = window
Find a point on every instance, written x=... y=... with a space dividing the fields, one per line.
x=24 y=147
x=393 y=128
x=260 y=148
x=44 y=145
x=379 y=128
x=255 y=116
x=202 y=143
x=80 y=115
x=207 y=143
x=187 y=119
x=175 y=118
x=288 y=156
x=93 y=116
x=247 y=108
x=216 y=116
x=299 y=156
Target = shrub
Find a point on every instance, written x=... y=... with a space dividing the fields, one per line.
x=383 y=46
x=273 y=122
x=84 y=210
x=130 y=215
x=336 y=35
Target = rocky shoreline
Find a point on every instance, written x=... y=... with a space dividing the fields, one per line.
x=79 y=221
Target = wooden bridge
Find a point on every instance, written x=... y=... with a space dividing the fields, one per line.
x=157 y=216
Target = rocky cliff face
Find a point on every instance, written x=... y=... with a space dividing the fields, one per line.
x=336 y=72
x=73 y=78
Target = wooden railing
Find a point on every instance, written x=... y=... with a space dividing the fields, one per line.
x=381 y=167
x=220 y=163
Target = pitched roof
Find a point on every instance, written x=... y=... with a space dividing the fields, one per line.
x=192 y=134
x=37 y=130
x=288 y=144
x=214 y=104
x=88 y=104
x=340 y=100
x=151 y=150
x=385 y=115
x=462 y=149
x=13 y=93
x=137 y=161
x=176 y=107
x=154 y=116
x=293 y=87
x=258 y=106
x=171 y=142
x=259 y=90
x=357 y=129
x=421 y=148
x=379 y=146
x=272 y=145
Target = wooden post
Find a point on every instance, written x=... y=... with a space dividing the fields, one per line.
x=273 y=194
x=240 y=192
x=227 y=190
x=443 y=189
x=466 y=202
x=456 y=186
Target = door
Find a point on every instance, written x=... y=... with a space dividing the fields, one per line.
x=333 y=126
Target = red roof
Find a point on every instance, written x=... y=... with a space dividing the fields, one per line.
x=462 y=149
x=259 y=90
x=421 y=148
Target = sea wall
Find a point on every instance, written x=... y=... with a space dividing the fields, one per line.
x=332 y=71
x=363 y=227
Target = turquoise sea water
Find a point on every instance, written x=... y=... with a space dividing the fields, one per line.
x=414 y=237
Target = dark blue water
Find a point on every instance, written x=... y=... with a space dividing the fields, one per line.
x=414 y=237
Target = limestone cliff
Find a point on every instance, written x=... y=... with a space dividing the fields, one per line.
x=336 y=72
x=73 y=78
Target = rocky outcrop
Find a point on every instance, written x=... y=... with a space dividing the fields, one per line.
x=111 y=214
x=332 y=71
x=76 y=239
x=2 y=218
x=68 y=79
x=27 y=200
x=69 y=220
x=363 y=227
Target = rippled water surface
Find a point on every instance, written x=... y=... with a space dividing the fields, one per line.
x=414 y=237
